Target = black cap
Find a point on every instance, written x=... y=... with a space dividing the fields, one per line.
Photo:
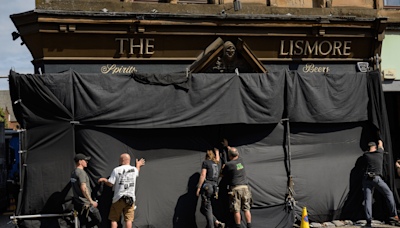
x=79 y=157
x=371 y=144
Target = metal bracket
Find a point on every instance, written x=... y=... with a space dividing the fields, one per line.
x=324 y=19
x=283 y=120
x=22 y=151
x=377 y=60
x=17 y=101
x=74 y=122
x=140 y=17
x=363 y=66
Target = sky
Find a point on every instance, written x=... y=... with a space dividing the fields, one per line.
x=12 y=54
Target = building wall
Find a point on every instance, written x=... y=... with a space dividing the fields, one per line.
x=11 y=124
x=390 y=52
x=132 y=6
x=6 y=105
x=359 y=8
x=273 y=3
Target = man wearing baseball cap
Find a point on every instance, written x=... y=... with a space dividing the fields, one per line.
x=83 y=202
x=372 y=179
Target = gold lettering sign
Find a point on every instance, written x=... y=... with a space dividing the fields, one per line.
x=113 y=69
x=322 y=48
x=310 y=68
x=146 y=44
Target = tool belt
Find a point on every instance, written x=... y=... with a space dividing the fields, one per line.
x=86 y=208
x=128 y=200
x=210 y=189
x=370 y=175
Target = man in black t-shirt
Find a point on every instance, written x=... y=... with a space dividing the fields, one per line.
x=372 y=179
x=240 y=197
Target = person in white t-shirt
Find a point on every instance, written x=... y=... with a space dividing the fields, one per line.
x=124 y=179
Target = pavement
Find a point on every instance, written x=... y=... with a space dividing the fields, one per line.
x=372 y=226
x=5 y=219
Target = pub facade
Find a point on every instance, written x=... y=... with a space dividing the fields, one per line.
x=112 y=37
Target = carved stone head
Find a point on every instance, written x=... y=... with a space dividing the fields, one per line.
x=229 y=51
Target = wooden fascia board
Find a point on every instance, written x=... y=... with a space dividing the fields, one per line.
x=206 y=58
x=72 y=19
x=246 y=52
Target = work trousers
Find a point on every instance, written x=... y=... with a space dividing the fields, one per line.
x=207 y=195
x=377 y=183
x=94 y=214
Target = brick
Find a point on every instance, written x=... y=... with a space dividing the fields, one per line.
x=295 y=3
x=315 y=224
x=338 y=223
x=328 y=224
x=353 y=3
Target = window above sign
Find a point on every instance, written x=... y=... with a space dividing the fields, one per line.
x=391 y=4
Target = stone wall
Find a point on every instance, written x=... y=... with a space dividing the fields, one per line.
x=359 y=8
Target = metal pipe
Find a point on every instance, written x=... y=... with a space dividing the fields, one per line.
x=76 y=219
x=288 y=145
x=194 y=58
x=40 y=216
x=20 y=134
x=290 y=153
x=377 y=62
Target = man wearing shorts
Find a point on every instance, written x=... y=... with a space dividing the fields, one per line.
x=124 y=179
x=240 y=196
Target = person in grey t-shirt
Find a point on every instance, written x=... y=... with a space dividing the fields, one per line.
x=83 y=202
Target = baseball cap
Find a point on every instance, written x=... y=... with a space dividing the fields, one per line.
x=79 y=157
x=371 y=144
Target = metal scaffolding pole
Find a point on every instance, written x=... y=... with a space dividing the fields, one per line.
x=40 y=216
x=72 y=213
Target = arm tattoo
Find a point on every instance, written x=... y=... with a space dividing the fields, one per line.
x=86 y=192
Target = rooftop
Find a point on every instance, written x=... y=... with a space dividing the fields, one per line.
x=5 y=103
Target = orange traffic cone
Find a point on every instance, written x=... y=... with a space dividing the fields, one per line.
x=304 y=219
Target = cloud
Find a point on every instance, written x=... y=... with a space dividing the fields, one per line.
x=4 y=84
x=12 y=54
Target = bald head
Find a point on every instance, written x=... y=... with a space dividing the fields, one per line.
x=232 y=151
x=125 y=159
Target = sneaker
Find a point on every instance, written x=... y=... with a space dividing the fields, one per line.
x=395 y=218
x=368 y=225
x=221 y=224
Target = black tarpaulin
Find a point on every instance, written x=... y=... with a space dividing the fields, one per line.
x=330 y=124
x=180 y=80
x=330 y=98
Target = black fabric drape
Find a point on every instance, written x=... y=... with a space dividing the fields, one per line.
x=180 y=80
x=379 y=117
x=120 y=101
x=172 y=128
x=327 y=98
